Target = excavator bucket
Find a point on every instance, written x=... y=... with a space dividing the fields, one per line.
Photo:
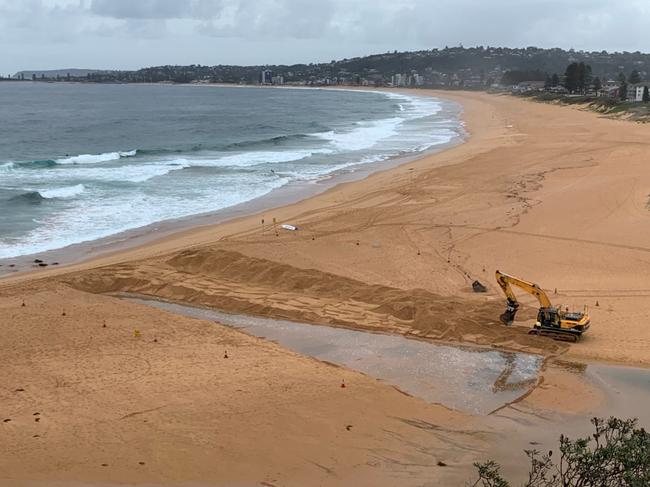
x=508 y=316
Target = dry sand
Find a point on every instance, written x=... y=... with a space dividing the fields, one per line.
x=548 y=193
x=98 y=404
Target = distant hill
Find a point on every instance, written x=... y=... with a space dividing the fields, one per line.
x=452 y=67
x=61 y=73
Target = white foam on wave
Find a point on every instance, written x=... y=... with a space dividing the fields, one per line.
x=92 y=220
x=134 y=173
x=365 y=136
x=246 y=159
x=96 y=158
x=140 y=173
x=7 y=166
x=64 y=192
x=436 y=140
x=368 y=134
x=414 y=107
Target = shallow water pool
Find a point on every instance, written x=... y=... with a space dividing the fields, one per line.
x=469 y=379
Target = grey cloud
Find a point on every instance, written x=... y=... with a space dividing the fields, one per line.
x=133 y=33
x=156 y=9
x=300 y=19
x=141 y=29
x=34 y=21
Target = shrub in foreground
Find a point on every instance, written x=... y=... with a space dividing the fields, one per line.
x=617 y=454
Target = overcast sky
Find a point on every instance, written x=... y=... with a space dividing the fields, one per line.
x=128 y=34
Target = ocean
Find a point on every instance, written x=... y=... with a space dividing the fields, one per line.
x=80 y=162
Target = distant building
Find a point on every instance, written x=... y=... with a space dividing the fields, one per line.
x=525 y=86
x=266 y=78
x=473 y=82
x=399 y=79
x=558 y=89
x=611 y=91
x=635 y=92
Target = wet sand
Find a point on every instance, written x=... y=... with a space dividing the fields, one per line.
x=469 y=379
x=548 y=193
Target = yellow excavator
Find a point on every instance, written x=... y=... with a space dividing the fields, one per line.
x=552 y=321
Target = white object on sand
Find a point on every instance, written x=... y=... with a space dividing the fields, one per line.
x=289 y=227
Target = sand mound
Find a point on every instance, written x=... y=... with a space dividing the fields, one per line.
x=233 y=282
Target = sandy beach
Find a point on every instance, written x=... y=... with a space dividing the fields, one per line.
x=98 y=390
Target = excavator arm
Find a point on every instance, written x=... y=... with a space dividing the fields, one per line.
x=506 y=282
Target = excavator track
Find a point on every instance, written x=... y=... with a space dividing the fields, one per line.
x=560 y=335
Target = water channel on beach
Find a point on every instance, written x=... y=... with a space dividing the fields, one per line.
x=471 y=379
x=475 y=380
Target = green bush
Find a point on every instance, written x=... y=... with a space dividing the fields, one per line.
x=617 y=454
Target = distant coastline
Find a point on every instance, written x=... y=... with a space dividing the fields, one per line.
x=471 y=68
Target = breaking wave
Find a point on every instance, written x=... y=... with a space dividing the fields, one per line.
x=366 y=135
x=64 y=192
x=33 y=197
x=96 y=158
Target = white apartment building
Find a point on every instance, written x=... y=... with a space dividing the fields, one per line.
x=635 y=92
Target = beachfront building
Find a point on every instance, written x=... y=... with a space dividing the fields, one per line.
x=413 y=79
x=398 y=80
x=635 y=92
x=559 y=89
x=527 y=86
x=266 y=77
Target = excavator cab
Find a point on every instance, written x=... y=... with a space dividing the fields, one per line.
x=560 y=325
x=548 y=318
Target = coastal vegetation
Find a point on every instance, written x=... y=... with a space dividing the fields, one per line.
x=619 y=98
x=606 y=106
x=617 y=454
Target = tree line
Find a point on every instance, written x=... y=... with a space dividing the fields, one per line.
x=578 y=79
